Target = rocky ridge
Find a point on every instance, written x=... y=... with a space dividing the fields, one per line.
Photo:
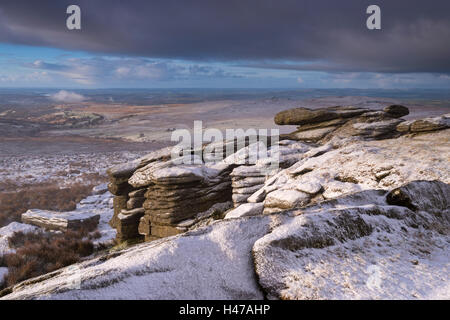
x=366 y=245
x=158 y=195
x=356 y=190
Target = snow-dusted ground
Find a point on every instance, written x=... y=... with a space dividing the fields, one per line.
x=65 y=169
x=210 y=263
x=102 y=205
x=8 y=231
x=368 y=251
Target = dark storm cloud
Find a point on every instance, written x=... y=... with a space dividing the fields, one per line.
x=312 y=35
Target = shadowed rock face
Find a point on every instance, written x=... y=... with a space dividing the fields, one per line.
x=325 y=231
x=396 y=111
x=431 y=196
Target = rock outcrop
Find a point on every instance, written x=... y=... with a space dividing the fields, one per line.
x=425 y=125
x=359 y=165
x=62 y=221
x=321 y=125
x=374 y=244
x=368 y=245
x=178 y=193
x=128 y=199
x=91 y=213
x=249 y=178
x=335 y=211
x=160 y=195
x=333 y=152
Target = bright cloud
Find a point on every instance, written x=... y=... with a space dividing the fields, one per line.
x=67 y=96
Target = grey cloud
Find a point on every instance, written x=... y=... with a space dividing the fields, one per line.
x=317 y=35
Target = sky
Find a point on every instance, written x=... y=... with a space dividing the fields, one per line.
x=225 y=44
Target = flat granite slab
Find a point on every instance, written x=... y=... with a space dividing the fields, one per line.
x=63 y=221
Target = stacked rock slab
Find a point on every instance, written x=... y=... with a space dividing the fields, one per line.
x=425 y=125
x=62 y=221
x=248 y=179
x=130 y=217
x=120 y=188
x=321 y=125
x=177 y=192
x=128 y=200
x=169 y=194
x=136 y=199
x=159 y=196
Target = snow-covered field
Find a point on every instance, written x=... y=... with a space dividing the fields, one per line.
x=63 y=169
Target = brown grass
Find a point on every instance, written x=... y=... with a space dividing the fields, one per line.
x=40 y=253
x=45 y=196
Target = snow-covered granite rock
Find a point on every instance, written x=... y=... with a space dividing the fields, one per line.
x=96 y=208
x=349 y=248
x=364 y=245
x=343 y=235
x=356 y=166
x=209 y=263
x=245 y=210
x=62 y=221
x=425 y=125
